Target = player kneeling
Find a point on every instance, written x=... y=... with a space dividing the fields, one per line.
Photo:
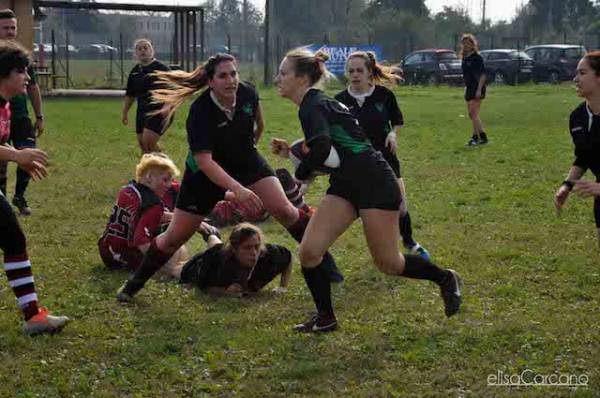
x=143 y=207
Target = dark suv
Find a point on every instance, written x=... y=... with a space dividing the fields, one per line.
x=507 y=66
x=432 y=66
x=555 y=62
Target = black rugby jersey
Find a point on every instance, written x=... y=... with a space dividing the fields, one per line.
x=585 y=133
x=378 y=114
x=321 y=115
x=210 y=130
x=141 y=81
x=211 y=269
x=472 y=68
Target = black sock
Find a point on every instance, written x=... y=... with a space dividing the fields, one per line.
x=22 y=182
x=417 y=267
x=406 y=231
x=153 y=260
x=319 y=285
x=482 y=135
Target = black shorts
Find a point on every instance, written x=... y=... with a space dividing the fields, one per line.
x=391 y=158
x=22 y=134
x=198 y=194
x=156 y=123
x=366 y=181
x=471 y=90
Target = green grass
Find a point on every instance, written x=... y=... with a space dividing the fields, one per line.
x=531 y=279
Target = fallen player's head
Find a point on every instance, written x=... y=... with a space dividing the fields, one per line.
x=245 y=243
x=156 y=170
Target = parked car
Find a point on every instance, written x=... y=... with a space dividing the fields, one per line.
x=555 y=62
x=507 y=66
x=432 y=66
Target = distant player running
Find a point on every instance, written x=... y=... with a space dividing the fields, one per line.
x=148 y=127
x=363 y=186
x=376 y=109
x=13 y=81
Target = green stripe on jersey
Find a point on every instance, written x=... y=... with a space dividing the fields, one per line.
x=346 y=141
x=191 y=163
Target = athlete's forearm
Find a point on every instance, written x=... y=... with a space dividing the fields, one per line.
x=481 y=82
x=127 y=102
x=575 y=173
x=8 y=153
x=260 y=124
x=286 y=275
x=36 y=99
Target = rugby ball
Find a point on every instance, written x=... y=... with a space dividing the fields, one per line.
x=298 y=151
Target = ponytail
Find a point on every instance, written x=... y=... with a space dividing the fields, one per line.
x=177 y=86
x=379 y=74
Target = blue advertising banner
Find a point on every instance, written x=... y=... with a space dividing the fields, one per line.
x=339 y=54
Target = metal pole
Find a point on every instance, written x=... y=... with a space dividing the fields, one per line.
x=202 y=34
x=175 y=39
x=53 y=60
x=194 y=39
x=267 y=60
x=187 y=41
x=122 y=54
x=110 y=62
x=67 y=58
x=181 y=40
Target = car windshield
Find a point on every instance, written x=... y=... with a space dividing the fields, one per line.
x=519 y=54
x=447 y=56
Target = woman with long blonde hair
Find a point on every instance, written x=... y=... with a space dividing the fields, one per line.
x=475 y=86
x=362 y=186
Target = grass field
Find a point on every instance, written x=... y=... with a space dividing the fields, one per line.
x=531 y=297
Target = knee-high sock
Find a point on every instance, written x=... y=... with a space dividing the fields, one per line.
x=417 y=267
x=297 y=229
x=20 y=279
x=153 y=260
x=22 y=181
x=16 y=262
x=291 y=189
x=317 y=280
x=406 y=230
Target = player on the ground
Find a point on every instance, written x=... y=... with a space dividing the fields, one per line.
x=141 y=210
x=244 y=265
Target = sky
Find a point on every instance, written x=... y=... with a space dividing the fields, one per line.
x=496 y=10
